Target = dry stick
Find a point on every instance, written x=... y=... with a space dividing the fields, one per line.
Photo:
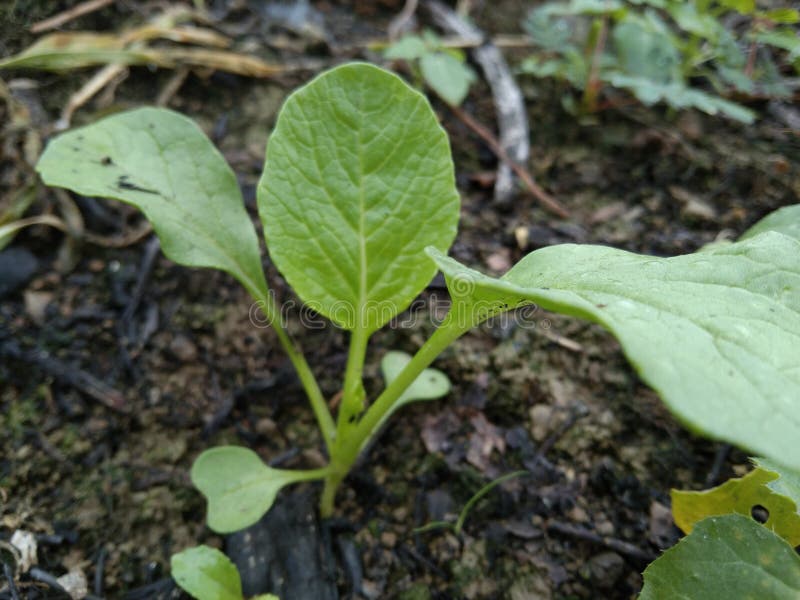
x=98 y=81
x=512 y=120
x=72 y=13
x=67 y=374
x=542 y=196
x=402 y=19
x=611 y=543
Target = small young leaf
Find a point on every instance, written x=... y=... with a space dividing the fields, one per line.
x=358 y=180
x=239 y=487
x=410 y=47
x=715 y=333
x=447 y=76
x=725 y=557
x=162 y=163
x=429 y=385
x=206 y=574
x=678 y=95
x=740 y=496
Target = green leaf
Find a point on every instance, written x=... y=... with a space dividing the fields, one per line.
x=714 y=333
x=787 y=483
x=206 y=574
x=744 y=7
x=410 y=47
x=239 y=487
x=740 y=495
x=677 y=95
x=785 y=39
x=725 y=557
x=547 y=31
x=162 y=163
x=449 y=77
x=785 y=16
x=358 y=180
x=430 y=385
x=646 y=51
x=785 y=220
x=689 y=19
x=585 y=7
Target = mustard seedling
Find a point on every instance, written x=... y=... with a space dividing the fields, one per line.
x=359 y=207
x=205 y=573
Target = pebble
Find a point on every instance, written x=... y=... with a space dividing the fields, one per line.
x=17 y=266
x=605 y=569
x=183 y=348
x=540 y=415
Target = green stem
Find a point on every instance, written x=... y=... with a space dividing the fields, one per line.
x=298 y=475
x=353 y=393
x=309 y=382
x=357 y=437
x=445 y=335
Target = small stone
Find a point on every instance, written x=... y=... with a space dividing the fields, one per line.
x=75 y=584
x=605 y=569
x=17 y=266
x=96 y=265
x=540 y=415
x=266 y=427
x=36 y=305
x=604 y=528
x=389 y=539
x=25 y=543
x=661 y=530
x=499 y=261
x=577 y=514
x=183 y=348
x=523 y=237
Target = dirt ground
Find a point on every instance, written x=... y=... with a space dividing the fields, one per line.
x=99 y=470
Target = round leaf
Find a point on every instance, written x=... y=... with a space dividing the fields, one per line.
x=429 y=385
x=206 y=574
x=239 y=487
x=358 y=180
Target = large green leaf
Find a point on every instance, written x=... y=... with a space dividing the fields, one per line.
x=723 y=558
x=162 y=163
x=206 y=574
x=358 y=180
x=785 y=220
x=239 y=487
x=715 y=333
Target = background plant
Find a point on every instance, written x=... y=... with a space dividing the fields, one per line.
x=660 y=50
x=443 y=69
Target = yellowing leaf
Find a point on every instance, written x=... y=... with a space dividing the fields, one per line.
x=740 y=496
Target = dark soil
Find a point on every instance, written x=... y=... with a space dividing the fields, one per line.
x=102 y=478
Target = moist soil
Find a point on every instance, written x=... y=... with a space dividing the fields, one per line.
x=159 y=362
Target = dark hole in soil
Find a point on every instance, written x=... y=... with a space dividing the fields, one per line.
x=759 y=513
